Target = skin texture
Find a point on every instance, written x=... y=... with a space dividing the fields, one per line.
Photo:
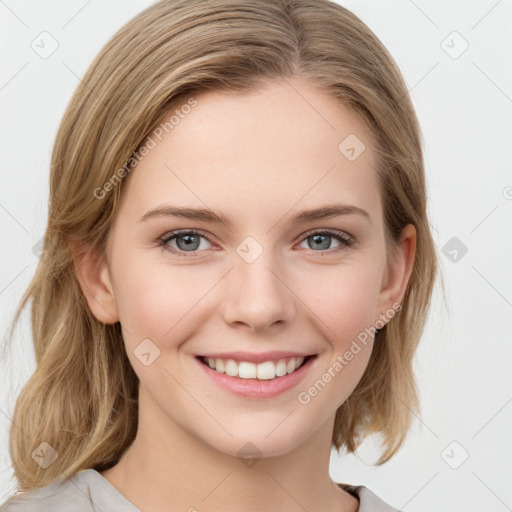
x=258 y=158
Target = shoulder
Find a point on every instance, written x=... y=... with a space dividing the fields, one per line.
x=87 y=491
x=59 y=496
x=368 y=501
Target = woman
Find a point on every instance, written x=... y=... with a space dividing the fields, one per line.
x=238 y=266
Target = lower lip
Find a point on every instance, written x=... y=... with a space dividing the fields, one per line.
x=255 y=388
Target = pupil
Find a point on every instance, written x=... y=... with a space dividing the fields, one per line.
x=189 y=241
x=318 y=241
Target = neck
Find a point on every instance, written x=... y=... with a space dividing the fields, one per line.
x=167 y=467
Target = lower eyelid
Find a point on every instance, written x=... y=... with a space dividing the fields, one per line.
x=345 y=241
x=166 y=239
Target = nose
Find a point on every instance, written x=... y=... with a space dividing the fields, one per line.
x=257 y=297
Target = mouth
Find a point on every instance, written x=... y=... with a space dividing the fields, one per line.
x=264 y=371
x=263 y=379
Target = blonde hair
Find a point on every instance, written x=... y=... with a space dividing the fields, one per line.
x=83 y=396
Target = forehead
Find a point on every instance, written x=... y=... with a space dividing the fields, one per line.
x=286 y=144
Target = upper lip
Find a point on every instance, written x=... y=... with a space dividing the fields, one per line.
x=253 y=357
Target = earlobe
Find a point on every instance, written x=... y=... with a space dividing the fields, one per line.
x=399 y=271
x=94 y=277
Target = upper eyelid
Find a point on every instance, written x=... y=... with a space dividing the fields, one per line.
x=329 y=231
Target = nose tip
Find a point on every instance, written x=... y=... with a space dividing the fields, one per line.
x=257 y=296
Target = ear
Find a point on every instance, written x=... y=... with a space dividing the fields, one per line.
x=94 y=276
x=399 y=270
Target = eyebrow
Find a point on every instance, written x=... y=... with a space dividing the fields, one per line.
x=208 y=215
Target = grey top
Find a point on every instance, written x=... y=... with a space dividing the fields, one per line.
x=89 y=491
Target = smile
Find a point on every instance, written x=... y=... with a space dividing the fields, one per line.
x=256 y=376
x=265 y=370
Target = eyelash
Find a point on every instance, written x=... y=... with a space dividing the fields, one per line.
x=345 y=240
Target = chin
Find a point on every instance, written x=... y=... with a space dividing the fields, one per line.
x=258 y=443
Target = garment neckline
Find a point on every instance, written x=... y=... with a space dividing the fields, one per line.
x=351 y=489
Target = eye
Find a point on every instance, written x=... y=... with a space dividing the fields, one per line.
x=319 y=241
x=187 y=241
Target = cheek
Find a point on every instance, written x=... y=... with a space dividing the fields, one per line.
x=343 y=301
x=163 y=304
x=158 y=311
x=344 y=312
x=337 y=380
x=150 y=301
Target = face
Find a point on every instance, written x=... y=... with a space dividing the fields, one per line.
x=263 y=281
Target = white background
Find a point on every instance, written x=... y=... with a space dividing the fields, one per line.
x=464 y=105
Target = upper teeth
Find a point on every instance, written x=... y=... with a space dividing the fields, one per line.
x=246 y=370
